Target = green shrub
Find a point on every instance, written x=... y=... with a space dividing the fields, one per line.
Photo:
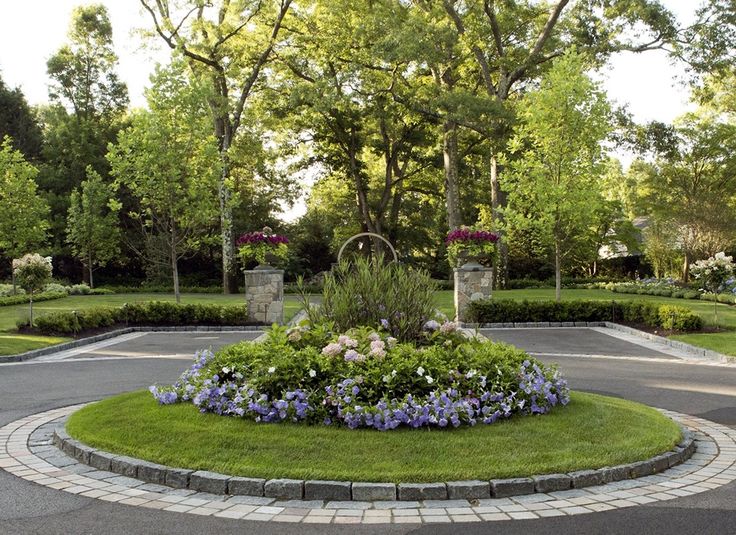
x=370 y=292
x=23 y=298
x=100 y=291
x=633 y=312
x=56 y=288
x=154 y=313
x=79 y=289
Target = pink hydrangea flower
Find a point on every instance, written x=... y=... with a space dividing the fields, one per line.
x=347 y=341
x=332 y=350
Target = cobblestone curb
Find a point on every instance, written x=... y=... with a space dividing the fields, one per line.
x=294 y=489
x=29 y=355
x=27 y=452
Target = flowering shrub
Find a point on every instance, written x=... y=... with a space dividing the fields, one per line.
x=464 y=242
x=367 y=378
x=32 y=272
x=259 y=245
x=714 y=275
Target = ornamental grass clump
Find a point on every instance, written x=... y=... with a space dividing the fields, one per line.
x=366 y=378
x=372 y=292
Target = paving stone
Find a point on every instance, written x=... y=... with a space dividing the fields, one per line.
x=100 y=460
x=125 y=466
x=370 y=492
x=502 y=488
x=552 y=482
x=422 y=491
x=326 y=490
x=290 y=489
x=211 y=482
x=468 y=490
x=675 y=457
x=151 y=472
x=178 y=478
x=245 y=486
x=586 y=478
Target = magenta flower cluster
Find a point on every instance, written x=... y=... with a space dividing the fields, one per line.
x=467 y=235
x=258 y=237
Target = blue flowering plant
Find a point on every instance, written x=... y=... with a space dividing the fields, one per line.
x=366 y=378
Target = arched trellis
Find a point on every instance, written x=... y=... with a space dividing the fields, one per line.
x=372 y=235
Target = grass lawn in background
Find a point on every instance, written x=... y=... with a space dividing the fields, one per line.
x=591 y=432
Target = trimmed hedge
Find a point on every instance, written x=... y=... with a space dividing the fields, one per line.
x=37 y=298
x=155 y=313
x=637 y=312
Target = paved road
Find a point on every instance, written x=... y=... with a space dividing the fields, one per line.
x=634 y=372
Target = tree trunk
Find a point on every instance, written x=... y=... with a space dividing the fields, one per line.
x=501 y=274
x=229 y=276
x=15 y=287
x=686 y=267
x=452 y=188
x=175 y=273
x=89 y=264
x=558 y=272
x=31 y=306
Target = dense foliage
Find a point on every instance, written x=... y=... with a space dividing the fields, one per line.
x=152 y=313
x=367 y=378
x=635 y=312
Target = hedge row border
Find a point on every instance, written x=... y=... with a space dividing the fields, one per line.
x=298 y=489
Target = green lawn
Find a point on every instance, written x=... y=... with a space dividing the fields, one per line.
x=12 y=344
x=591 y=432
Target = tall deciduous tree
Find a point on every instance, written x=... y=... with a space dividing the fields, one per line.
x=18 y=122
x=23 y=213
x=227 y=44
x=555 y=183
x=168 y=162
x=93 y=229
x=88 y=102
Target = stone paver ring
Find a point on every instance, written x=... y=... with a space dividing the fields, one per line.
x=26 y=451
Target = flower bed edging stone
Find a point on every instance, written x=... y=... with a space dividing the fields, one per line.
x=295 y=489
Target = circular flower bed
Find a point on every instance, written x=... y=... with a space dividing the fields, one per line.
x=366 y=378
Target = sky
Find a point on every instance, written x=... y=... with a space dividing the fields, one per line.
x=32 y=30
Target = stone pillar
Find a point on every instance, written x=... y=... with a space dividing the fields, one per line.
x=264 y=293
x=472 y=282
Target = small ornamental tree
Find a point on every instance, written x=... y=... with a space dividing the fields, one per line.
x=32 y=272
x=713 y=274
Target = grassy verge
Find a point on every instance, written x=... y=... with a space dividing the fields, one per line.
x=591 y=432
x=12 y=344
x=722 y=342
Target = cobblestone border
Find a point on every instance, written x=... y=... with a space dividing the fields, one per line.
x=27 y=452
x=216 y=483
x=297 y=489
x=695 y=351
x=29 y=355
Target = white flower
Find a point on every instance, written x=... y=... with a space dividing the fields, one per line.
x=429 y=380
x=226 y=370
x=272 y=369
x=312 y=373
x=391 y=341
x=393 y=373
x=386 y=378
x=420 y=371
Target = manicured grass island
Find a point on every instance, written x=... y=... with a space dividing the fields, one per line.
x=13 y=344
x=592 y=431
